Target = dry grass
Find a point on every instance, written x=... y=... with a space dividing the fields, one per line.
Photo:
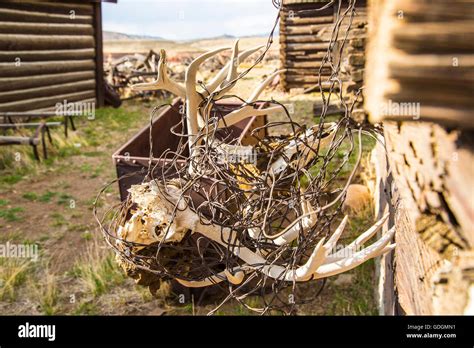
x=97 y=270
x=13 y=274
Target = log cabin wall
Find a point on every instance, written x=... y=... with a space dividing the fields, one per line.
x=305 y=33
x=419 y=84
x=50 y=52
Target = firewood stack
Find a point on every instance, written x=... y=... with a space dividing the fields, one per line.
x=352 y=69
x=419 y=83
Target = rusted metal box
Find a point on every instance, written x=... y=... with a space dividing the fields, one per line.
x=131 y=160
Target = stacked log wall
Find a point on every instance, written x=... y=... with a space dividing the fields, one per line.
x=305 y=34
x=49 y=52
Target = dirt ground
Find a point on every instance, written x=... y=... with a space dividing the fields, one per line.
x=50 y=204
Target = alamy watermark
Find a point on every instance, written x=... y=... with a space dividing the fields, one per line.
x=76 y=109
x=236 y=154
x=25 y=251
x=409 y=109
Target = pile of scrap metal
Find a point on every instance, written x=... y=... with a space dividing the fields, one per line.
x=122 y=73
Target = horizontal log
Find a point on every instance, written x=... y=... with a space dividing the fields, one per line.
x=443 y=11
x=435 y=94
x=325 y=85
x=304 y=47
x=453 y=117
x=357 y=43
x=432 y=69
x=308 y=20
x=435 y=38
x=353 y=33
x=308 y=56
x=300 y=38
x=304 y=29
x=356 y=59
x=41 y=68
x=46 y=28
x=50 y=7
x=16 y=140
x=308 y=79
x=451 y=76
x=307 y=71
x=357 y=75
x=46 y=91
x=8 y=15
x=306 y=10
x=18 y=42
x=46 y=102
x=16 y=83
x=298 y=64
x=46 y=55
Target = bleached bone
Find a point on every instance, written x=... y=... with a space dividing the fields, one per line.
x=248 y=110
x=163 y=81
x=226 y=85
x=221 y=75
x=193 y=98
x=148 y=197
x=359 y=241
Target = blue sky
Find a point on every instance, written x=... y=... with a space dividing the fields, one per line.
x=189 y=19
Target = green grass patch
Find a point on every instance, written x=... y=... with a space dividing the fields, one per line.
x=31 y=196
x=86 y=308
x=98 y=272
x=47 y=196
x=58 y=219
x=11 y=214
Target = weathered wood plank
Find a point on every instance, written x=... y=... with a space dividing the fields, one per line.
x=12 y=42
x=25 y=82
x=304 y=29
x=46 y=55
x=42 y=68
x=309 y=20
x=46 y=28
x=46 y=102
x=284 y=38
x=8 y=15
x=46 y=91
x=50 y=7
x=304 y=47
x=436 y=38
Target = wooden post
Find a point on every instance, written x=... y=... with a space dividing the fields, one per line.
x=99 y=55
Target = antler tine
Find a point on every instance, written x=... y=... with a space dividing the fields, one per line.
x=256 y=93
x=257 y=262
x=163 y=81
x=248 y=110
x=221 y=75
x=346 y=264
x=364 y=237
x=192 y=104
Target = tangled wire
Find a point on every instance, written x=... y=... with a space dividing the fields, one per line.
x=245 y=195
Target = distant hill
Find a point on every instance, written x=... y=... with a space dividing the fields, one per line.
x=112 y=35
